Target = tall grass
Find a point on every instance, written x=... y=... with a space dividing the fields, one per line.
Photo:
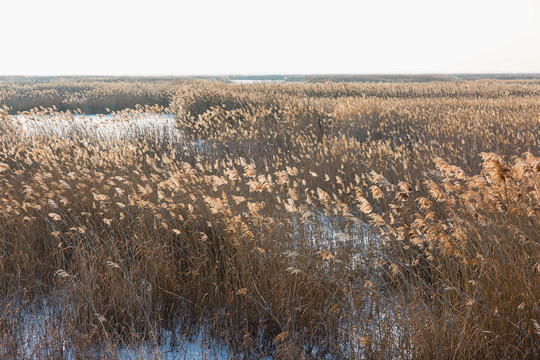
x=90 y=95
x=362 y=221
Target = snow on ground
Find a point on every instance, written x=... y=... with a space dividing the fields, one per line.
x=43 y=336
x=102 y=126
x=114 y=127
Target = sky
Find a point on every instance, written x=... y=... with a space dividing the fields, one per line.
x=204 y=37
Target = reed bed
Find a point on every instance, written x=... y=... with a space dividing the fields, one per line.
x=89 y=95
x=357 y=221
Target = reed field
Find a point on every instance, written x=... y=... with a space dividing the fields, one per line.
x=89 y=95
x=279 y=220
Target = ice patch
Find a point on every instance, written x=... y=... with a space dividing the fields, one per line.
x=102 y=126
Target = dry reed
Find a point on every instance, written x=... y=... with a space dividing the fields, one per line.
x=361 y=221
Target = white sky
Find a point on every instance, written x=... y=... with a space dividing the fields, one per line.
x=160 y=37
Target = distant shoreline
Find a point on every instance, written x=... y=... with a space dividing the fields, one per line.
x=286 y=78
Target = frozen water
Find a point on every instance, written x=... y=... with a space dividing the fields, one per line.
x=43 y=336
x=103 y=126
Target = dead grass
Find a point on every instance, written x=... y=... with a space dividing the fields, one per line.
x=89 y=95
x=362 y=221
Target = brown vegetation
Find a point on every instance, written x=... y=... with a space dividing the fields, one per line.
x=90 y=95
x=361 y=221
